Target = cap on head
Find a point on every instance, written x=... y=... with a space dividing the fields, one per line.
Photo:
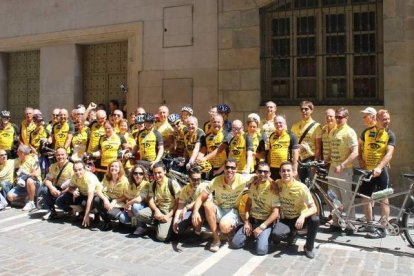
x=370 y=110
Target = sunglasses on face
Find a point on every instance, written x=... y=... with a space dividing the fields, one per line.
x=195 y=180
x=138 y=173
x=262 y=171
x=233 y=168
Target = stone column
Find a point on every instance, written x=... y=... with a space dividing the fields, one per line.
x=60 y=78
x=3 y=81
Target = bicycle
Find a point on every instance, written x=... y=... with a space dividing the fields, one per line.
x=403 y=223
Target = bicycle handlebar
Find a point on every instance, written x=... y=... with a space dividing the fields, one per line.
x=309 y=164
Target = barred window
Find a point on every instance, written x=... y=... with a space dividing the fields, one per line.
x=327 y=51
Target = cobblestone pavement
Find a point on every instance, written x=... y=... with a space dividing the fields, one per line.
x=31 y=246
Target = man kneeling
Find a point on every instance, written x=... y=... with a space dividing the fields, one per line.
x=297 y=208
x=262 y=209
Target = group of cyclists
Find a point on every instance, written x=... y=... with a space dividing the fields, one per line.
x=112 y=166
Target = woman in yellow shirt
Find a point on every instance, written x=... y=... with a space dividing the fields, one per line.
x=110 y=196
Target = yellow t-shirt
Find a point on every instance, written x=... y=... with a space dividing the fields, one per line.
x=190 y=193
x=343 y=140
x=85 y=184
x=7 y=171
x=228 y=196
x=264 y=200
x=294 y=198
x=54 y=171
x=116 y=190
x=310 y=138
x=238 y=148
x=109 y=147
x=191 y=140
x=326 y=136
x=25 y=130
x=164 y=128
x=7 y=137
x=28 y=166
x=163 y=199
x=133 y=191
x=79 y=142
x=60 y=133
x=35 y=137
x=148 y=142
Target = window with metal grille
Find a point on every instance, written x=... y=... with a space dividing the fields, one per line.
x=327 y=51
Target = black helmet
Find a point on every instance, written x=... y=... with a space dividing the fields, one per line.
x=223 y=108
x=148 y=117
x=139 y=119
x=5 y=113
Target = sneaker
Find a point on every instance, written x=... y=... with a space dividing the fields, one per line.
x=378 y=233
x=140 y=231
x=215 y=246
x=50 y=215
x=366 y=228
x=29 y=206
x=309 y=253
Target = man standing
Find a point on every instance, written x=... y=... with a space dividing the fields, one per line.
x=268 y=125
x=297 y=209
x=62 y=132
x=59 y=173
x=377 y=145
x=344 y=150
x=283 y=147
x=326 y=134
x=165 y=128
x=81 y=188
x=227 y=191
x=27 y=126
x=162 y=202
x=308 y=133
x=96 y=131
x=370 y=116
x=262 y=209
x=9 y=134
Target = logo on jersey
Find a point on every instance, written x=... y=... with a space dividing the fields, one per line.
x=374 y=146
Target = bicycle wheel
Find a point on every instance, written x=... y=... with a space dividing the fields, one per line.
x=318 y=203
x=408 y=223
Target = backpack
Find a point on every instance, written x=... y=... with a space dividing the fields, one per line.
x=170 y=187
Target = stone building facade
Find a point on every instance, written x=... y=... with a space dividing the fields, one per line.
x=176 y=52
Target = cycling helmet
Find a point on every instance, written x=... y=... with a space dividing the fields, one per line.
x=173 y=118
x=139 y=119
x=5 y=113
x=188 y=109
x=148 y=117
x=204 y=166
x=223 y=108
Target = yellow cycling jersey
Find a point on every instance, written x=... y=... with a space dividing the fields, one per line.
x=128 y=164
x=115 y=190
x=326 y=136
x=142 y=190
x=79 y=141
x=206 y=127
x=191 y=140
x=36 y=136
x=228 y=196
x=60 y=134
x=213 y=141
x=87 y=183
x=164 y=128
x=96 y=132
x=267 y=127
x=343 y=140
x=238 y=148
x=110 y=147
x=375 y=142
x=25 y=130
x=280 y=148
x=8 y=135
x=179 y=141
x=163 y=198
x=263 y=199
x=310 y=138
x=148 y=142
x=294 y=197
x=256 y=137
x=54 y=172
